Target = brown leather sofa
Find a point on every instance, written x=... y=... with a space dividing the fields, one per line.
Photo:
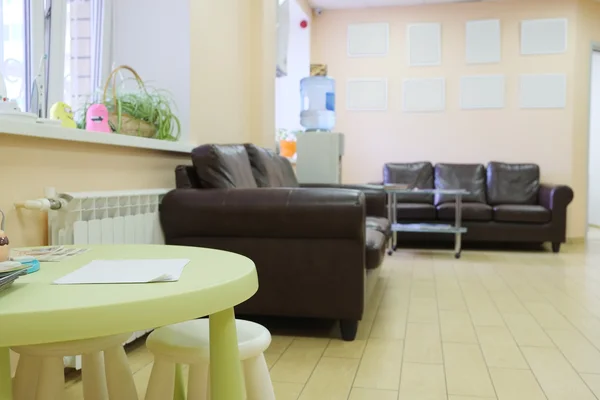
x=507 y=203
x=316 y=252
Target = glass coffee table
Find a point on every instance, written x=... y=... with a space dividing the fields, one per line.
x=456 y=229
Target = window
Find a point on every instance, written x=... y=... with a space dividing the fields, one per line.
x=80 y=78
x=14 y=49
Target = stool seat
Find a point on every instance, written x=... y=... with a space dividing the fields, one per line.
x=189 y=343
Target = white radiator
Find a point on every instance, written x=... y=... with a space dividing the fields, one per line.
x=121 y=217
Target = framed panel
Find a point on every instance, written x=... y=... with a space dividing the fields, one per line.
x=367 y=94
x=544 y=36
x=368 y=40
x=424 y=44
x=543 y=91
x=484 y=42
x=482 y=91
x=424 y=95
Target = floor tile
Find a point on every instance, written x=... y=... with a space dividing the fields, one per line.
x=423 y=310
x=466 y=372
x=514 y=384
x=593 y=382
x=344 y=349
x=423 y=344
x=372 y=394
x=298 y=361
x=578 y=351
x=555 y=375
x=526 y=331
x=547 y=316
x=456 y=326
x=287 y=390
x=381 y=364
x=422 y=382
x=332 y=379
x=499 y=348
x=389 y=324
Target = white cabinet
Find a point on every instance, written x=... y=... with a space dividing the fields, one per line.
x=319 y=157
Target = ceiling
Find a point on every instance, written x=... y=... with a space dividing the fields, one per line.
x=337 y=4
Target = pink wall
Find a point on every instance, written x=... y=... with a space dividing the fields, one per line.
x=546 y=137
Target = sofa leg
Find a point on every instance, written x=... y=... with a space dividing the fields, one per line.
x=556 y=247
x=348 y=327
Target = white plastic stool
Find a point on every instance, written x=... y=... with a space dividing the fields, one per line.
x=40 y=372
x=188 y=343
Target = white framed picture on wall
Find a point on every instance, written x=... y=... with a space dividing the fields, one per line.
x=424 y=44
x=368 y=40
x=367 y=94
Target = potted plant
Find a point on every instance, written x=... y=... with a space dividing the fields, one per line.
x=286 y=141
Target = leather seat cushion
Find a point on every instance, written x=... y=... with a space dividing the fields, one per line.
x=375 y=248
x=522 y=213
x=470 y=212
x=379 y=224
x=415 y=212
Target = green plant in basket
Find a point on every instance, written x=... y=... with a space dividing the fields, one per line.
x=145 y=112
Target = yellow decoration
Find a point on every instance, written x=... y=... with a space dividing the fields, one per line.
x=64 y=113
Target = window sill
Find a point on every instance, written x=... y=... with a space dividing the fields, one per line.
x=78 y=135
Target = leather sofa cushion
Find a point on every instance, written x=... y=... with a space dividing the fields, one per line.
x=223 y=167
x=470 y=177
x=269 y=169
x=512 y=183
x=415 y=212
x=416 y=175
x=522 y=213
x=379 y=224
x=470 y=212
x=375 y=248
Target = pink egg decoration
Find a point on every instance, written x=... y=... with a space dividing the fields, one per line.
x=96 y=119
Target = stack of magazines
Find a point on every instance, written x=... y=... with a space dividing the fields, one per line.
x=11 y=274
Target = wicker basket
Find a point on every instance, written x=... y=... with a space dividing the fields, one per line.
x=126 y=125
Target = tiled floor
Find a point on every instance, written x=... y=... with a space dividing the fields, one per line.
x=493 y=325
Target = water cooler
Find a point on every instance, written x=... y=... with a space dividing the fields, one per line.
x=319 y=151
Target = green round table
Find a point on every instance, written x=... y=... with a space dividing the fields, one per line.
x=35 y=311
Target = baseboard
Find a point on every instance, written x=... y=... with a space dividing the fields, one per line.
x=576 y=240
x=594 y=226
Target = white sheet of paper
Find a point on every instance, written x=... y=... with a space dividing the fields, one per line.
x=125 y=271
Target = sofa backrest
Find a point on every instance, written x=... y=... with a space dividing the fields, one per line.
x=186 y=177
x=470 y=177
x=416 y=175
x=270 y=169
x=512 y=183
x=223 y=167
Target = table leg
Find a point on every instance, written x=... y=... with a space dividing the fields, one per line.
x=457 y=225
x=5 y=379
x=226 y=379
x=390 y=214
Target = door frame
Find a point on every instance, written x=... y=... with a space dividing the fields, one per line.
x=594 y=47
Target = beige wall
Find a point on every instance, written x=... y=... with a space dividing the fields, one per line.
x=232 y=99
x=556 y=139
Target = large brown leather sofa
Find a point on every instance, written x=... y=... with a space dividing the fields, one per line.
x=507 y=203
x=316 y=250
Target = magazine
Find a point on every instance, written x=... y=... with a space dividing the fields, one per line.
x=48 y=253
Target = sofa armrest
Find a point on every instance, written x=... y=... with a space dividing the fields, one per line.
x=555 y=197
x=263 y=213
x=374 y=194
